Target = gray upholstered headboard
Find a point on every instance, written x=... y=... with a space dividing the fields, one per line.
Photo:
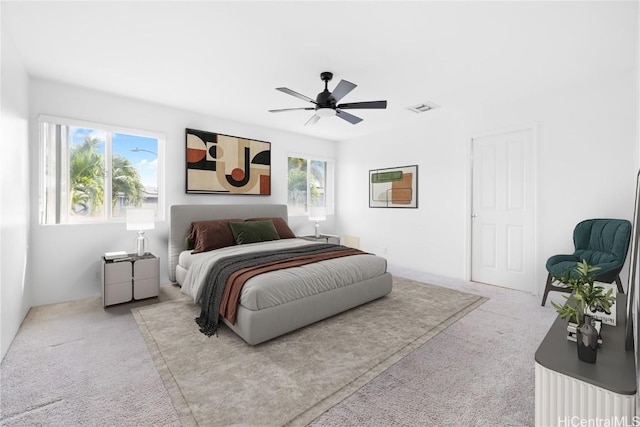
x=181 y=217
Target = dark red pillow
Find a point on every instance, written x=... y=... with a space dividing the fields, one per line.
x=211 y=234
x=281 y=227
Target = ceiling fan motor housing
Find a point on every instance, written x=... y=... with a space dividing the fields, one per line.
x=324 y=98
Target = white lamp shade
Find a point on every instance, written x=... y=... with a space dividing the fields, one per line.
x=317 y=214
x=140 y=219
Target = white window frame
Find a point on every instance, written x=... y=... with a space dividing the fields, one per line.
x=329 y=182
x=61 y=187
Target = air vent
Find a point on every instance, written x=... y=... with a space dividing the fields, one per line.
x=423 y=107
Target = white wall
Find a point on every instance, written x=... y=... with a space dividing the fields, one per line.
x=14 y=194
x=587 y=155
x=65 y=259
x=430 y=238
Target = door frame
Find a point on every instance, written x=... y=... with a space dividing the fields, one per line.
x=533 y=128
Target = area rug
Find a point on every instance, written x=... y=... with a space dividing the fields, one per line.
x=292 y=379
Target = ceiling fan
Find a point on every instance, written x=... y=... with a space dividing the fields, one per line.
x=326 y=103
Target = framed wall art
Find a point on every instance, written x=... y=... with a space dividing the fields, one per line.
x=223 y=164
x=394 y=187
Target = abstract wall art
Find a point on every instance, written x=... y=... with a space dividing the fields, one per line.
x=394 y=187
x=223 y=164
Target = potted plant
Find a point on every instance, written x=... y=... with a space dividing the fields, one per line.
x=584 y=294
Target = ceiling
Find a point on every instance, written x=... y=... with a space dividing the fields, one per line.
x=225 y=59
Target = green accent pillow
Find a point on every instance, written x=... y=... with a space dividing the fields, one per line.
x=253 y=231
x=281 y=226
x=189 y=244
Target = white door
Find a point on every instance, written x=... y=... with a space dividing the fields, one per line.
x=503 y=211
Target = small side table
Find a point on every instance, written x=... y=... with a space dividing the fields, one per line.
x=327 y=238
x=131 y=278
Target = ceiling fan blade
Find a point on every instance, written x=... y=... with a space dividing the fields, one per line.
x=348 y=117
x=368 y=104
x=290 y=109
x=313 y=120
x=343 y=88
x=296 y=94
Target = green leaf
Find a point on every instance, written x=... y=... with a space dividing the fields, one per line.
x=584 y=292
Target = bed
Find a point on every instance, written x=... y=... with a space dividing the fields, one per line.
x=254 y=323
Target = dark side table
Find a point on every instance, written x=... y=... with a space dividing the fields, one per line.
x=327 y=238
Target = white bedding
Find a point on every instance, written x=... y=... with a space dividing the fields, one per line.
x=281 y=286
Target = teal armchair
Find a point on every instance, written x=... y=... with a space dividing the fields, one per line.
x=602 y=243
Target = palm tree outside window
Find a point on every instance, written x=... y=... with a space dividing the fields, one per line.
x=310 y=184
x=90 y=174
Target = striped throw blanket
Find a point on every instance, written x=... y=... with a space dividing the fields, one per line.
x=227 y=276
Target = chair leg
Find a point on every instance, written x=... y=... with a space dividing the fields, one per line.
x=619 y=283
x=547 y=288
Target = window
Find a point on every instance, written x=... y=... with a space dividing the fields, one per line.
x=91 y=173
x=310 y=185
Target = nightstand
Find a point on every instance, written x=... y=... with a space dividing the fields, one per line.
x=131 y=278
x=327 y=238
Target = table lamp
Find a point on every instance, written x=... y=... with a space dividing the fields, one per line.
x=140 y=219
x=317 y=214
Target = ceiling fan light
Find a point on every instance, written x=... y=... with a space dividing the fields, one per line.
x=325 y=112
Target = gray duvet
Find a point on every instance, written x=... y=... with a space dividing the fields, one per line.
x=282 y=286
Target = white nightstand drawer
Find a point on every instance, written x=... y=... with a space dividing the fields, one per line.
x=146 y=268
x=117 y=272
x=135 y=278
x=116 y=293
x=146 y=288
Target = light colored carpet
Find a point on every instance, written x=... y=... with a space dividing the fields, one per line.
x=295 y=378
x=449 y=382
x=77 y=364
x=477 y=372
